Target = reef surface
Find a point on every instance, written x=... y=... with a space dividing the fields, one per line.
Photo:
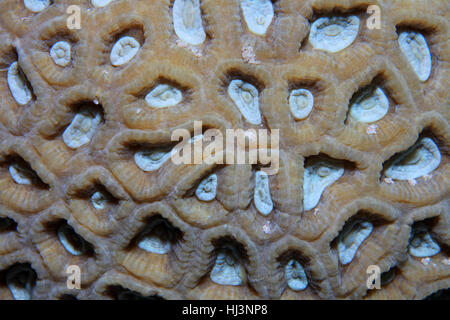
x=91 y=91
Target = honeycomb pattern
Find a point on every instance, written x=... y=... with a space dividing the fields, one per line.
x=105 y=234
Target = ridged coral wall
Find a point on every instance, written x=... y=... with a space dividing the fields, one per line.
x=47 y=186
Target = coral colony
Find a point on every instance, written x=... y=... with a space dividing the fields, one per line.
x=337 y=162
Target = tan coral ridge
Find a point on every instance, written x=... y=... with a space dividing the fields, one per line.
x=364 y=149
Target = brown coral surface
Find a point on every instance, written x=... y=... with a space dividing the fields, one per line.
x=364 y=166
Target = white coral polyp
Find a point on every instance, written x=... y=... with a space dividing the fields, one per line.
x=187 y=21
x=295 y=276
x=154 y=244
x=18 y=85
x=351 y=238
x=71 y=241
x=370 y=105
x=258 y=15
x=334 y=34
x=317 y=177
x=99 y=200
x=100 y=3
x=155 y=238
x=124 y=50
x=414 y=47
x=227 y=269
x=301 y=102
x=82 y=128
x=262 y=198
x=153 y=159
x=20 y=175
x=419 y=160
x=36 y=5
x=421 y=244
x=20 y=282
x=245 y=97
x=206 y=190
x=61 y=53
x=164 y=95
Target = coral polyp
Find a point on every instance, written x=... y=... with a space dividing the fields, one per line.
x=95 y=93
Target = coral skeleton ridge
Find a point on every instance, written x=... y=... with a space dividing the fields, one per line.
x=89 y=108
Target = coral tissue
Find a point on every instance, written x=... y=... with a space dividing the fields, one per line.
x=91 y=92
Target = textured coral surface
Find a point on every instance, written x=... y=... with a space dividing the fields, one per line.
x=80 y=105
